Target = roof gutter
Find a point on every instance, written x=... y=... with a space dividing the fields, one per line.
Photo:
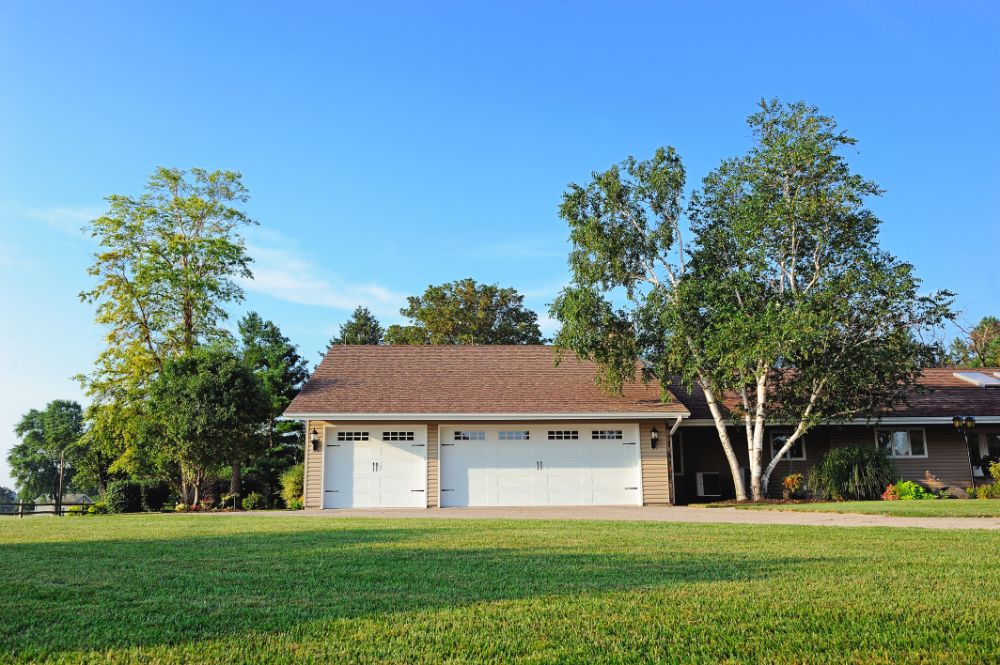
x=459 y=417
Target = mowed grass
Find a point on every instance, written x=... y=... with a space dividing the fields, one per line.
x=923 y=508
x=223 y=589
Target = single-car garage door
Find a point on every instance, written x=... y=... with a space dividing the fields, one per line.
x=375 y=467
x=521 y=465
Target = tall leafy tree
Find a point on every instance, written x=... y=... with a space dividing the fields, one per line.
x=981 y=346
x=282 y=371
x=48 y=438
x=464 y=312
x=206 y=408
x=7 y=496
x=361 y=328
x=784 y=303
x=169 y=261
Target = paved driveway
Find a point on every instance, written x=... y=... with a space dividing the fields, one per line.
x=666 y=514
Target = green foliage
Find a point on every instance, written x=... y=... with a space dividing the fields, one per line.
x=168 y=262
x=986 y=491
x=293 y=484
x=908 y=490
x=361 y=328
x=7 y=496
x=464 y=312
x=99 y=508
x=852 y=473
x=995 y=471
x=252 y=501
x=784 y=298
x=296 y=504
x=282 y=371
x=981 y=346
x=130 y=496
x=34 y=462
x=205 y=407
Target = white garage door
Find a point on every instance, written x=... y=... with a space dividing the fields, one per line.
x=568 y=465
x=375 y=467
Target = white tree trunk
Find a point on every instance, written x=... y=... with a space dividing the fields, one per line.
x=727 y=446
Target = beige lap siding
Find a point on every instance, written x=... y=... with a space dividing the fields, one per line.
x=313 y=489
x=654 y=463
x=433 y=465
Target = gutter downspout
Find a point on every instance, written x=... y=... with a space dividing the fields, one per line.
x=670 y=458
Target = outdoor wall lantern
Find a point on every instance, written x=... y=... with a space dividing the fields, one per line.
x=654 y=436
x=314 y=439
x=964 y=424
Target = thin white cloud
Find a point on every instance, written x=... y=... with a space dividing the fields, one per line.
x=68 y=219
x=281 y=270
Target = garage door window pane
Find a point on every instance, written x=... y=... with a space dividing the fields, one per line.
x=352 y=436
x=397 y=436
x=466 y=435
x=606 y=434
x=561 y=434
x=515 y=435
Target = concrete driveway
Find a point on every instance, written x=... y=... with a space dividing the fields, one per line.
x=664 y=514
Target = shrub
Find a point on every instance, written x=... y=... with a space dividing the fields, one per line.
x=181 y=507
x=129 y=496
x=792 y=484
x=995 y=471
x=909 y=491
x=852 y=473
x=252 y=501
x=890 y=493
x=990 y=491
x=296 y=504
x=292 y=483
x=76 y=511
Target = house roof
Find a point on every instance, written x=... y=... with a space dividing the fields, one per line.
x=67 y=498
x=467 y=381
x=944 y=396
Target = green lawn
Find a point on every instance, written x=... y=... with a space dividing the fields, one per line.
x=203 y=588
x=925 y=508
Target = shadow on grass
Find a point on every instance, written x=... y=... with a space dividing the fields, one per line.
x=63 y=597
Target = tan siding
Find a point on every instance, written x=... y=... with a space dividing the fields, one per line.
x=433 y=473
x=655 y=464
x=313 y=488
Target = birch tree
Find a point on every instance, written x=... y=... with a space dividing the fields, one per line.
x=782 y=310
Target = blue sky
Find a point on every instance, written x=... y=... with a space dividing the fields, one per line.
x=388 y=146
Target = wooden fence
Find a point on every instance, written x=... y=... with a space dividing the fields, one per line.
x=21 y=509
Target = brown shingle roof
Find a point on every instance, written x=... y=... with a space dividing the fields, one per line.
x=465 y=380
x=945 y=396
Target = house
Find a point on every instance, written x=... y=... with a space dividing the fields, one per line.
x=440 y=426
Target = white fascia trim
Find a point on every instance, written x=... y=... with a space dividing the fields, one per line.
x=888 y=420
x=458 y=417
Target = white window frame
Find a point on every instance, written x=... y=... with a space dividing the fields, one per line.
x=787 y=457
x=514 y=435
x=701 y=484
x=469 y=435
x=892 y=454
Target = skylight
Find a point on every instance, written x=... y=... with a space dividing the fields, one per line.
x=978 y=379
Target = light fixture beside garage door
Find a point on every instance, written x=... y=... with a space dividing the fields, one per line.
x=654 y=436
x=314 y=439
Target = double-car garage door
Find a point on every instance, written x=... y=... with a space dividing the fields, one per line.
x=506 y=465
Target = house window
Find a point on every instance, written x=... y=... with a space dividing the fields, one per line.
x=515 y=435
x=352 y=436
x=606 y=434
x=709 y=484
x=397 y=436
x=796 y=452
x=466 y=435
x=561 y=434
x=677 y=454
x=902 y=442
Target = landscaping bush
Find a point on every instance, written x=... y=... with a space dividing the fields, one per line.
x=852 y=473
x=99 y=508
x=792 y=485
x=296 y=504
x=129 y=496
x=989 y=491
x=909 y=491
x=76 y=511
x=292 y=483
x=253 y=501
